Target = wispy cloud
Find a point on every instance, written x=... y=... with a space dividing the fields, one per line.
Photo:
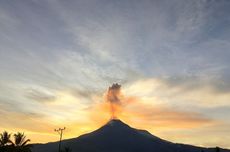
x=169 y=54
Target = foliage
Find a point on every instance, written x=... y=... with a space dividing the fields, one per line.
x=19 y=144
x=5 y=138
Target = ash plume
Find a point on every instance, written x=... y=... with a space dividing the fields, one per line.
x=113 y=97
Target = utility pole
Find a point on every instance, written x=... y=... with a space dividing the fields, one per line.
x=59 y=131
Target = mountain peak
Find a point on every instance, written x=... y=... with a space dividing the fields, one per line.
x=117 y=136
x=115 y=122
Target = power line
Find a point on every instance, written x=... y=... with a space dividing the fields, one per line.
x=60 y=132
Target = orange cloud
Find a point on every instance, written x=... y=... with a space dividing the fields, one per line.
x=141 y=108
x=134 y=110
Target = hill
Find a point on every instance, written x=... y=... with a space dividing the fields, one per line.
x=116 y=136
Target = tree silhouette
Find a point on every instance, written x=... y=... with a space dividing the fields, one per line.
x=5 y=138
x=20 y=143
x=5 y=142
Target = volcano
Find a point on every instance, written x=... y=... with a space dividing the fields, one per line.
x=116 y=136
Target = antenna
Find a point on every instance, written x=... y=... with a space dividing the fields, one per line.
x=60 y=132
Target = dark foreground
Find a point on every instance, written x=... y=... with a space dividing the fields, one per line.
x=117 y=136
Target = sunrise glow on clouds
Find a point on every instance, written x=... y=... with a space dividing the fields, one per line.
x=58 y=58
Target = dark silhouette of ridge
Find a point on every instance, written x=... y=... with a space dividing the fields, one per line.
x=116 y=136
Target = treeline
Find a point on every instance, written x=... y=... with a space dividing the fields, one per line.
x=15 y=143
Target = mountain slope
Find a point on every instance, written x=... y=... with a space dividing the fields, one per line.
x=117 y=136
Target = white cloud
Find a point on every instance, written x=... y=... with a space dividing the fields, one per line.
x=180 y=94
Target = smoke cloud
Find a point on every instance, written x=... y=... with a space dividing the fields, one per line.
x=113 y=97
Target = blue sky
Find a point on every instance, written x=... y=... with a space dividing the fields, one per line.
x=167 y=53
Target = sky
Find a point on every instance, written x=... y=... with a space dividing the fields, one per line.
x=171 y=57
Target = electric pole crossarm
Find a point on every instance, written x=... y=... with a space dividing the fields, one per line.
x=60 y=132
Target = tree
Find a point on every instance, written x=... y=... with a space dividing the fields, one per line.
x=5 y=138
x=20 y=143
x=5 y=142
